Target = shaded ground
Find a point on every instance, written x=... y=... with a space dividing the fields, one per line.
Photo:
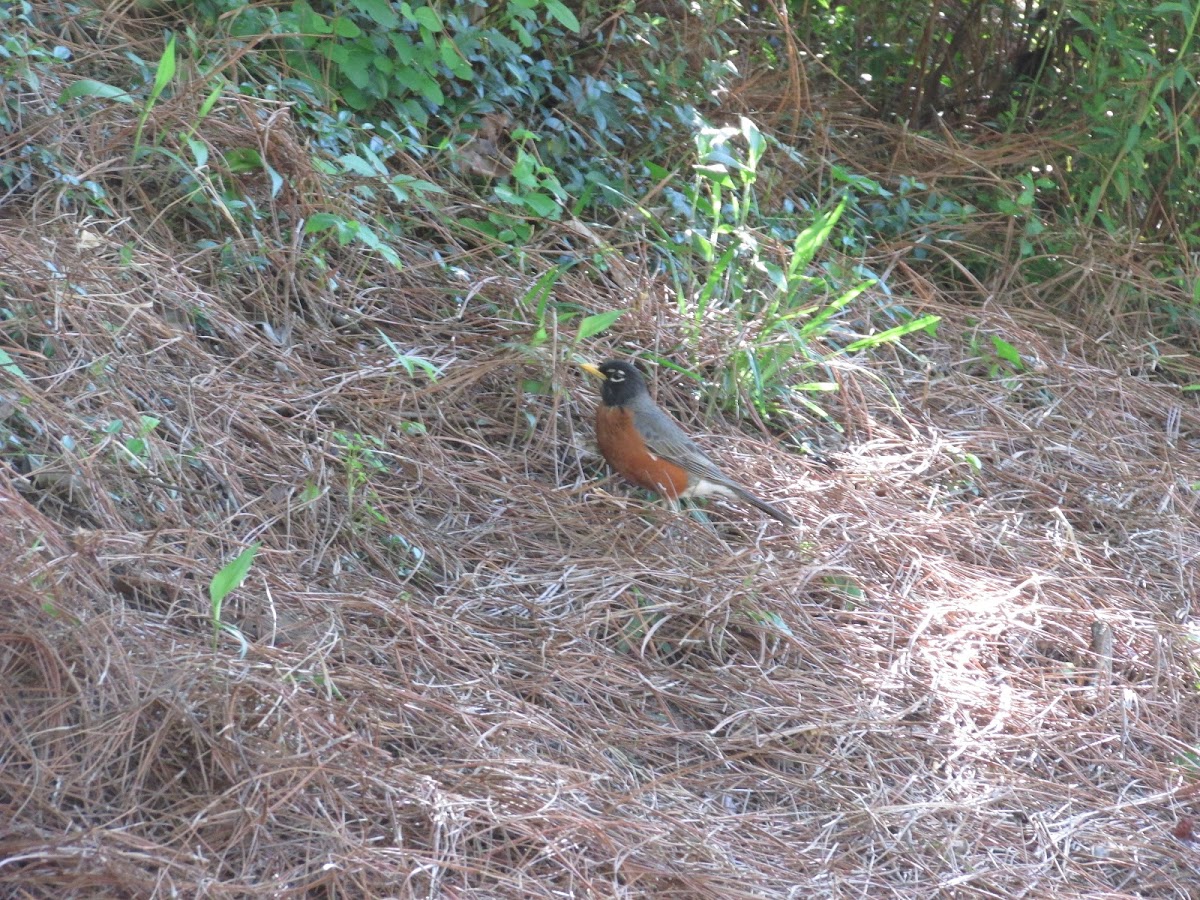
x=472 y=667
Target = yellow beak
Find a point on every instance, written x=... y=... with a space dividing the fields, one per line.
x=592 y=370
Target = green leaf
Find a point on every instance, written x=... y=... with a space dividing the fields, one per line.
x=343 y=27
x=594 y=325
x=756 y=144
x=403 y=46
x=813 y=238
x=355 y=63
x=892 y=333
x=540 y=293
x=391 y=257
x=380 y=11
x=355 y=98
x=542 y=205
x=418 y=185
x=1132 y=137
x=859 y=182
x=845 y=586
x=422 y=84
x=230 y=578
x=322 y=222
x=717 y=173
x=1007 y=352
x=88 y=87
x=276 y=181
x=7 y=364
x=309 y=21
x=428 y=17
x=775 y=275
x=357 y=165
x=559 y=11
x=199 y=152
x=508 y=195
x=211 y=100
x=165 y=71
x=817 y=386
x=453 y=60
x=366 y=236
x=817 y=324
x=523 y=170
x=408 y=361
x=241 y=160
x=771 y=619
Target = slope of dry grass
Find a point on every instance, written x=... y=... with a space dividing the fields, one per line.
x=563 y=689
x=465 y=664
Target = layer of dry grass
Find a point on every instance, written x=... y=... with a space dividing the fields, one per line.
x=464 y=664
x=575 y=692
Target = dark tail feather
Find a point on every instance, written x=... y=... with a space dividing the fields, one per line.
x=773 y=511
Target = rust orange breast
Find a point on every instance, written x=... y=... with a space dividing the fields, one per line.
x=626 y=452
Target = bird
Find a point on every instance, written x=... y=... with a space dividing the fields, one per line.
x=646 y=446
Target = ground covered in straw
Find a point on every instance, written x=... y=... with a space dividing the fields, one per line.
x=466 y=664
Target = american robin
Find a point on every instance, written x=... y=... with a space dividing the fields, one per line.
x=645 y=445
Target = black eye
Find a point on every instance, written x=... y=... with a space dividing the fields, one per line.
x=616 y=376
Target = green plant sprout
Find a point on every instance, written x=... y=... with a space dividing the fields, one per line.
x=222 y=585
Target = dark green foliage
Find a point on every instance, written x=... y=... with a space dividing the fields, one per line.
x=25 y=62
x=433 y=74
x=1117 y=79
x=1137 y=170
x=916 y=61
x=543 y=111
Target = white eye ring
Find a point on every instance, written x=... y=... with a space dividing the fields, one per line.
x=616 y=376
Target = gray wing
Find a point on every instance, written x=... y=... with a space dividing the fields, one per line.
x=666 y=439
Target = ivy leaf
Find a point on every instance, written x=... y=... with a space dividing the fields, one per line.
x=559 y=11
x=453 y=60
x=380 y=11
x=541 y=204
x=321 y=222
x=428 y=17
